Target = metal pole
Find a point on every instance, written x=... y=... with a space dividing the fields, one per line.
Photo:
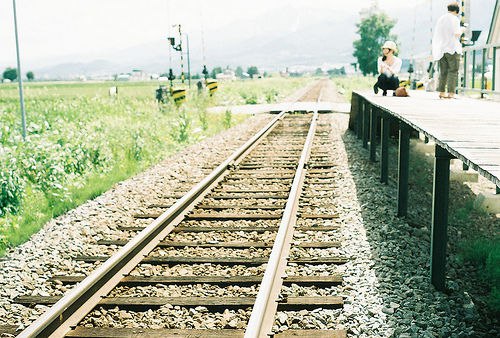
x=384 y=151
x=373 y=134
x=403 y=168
x=366 y=123
x=464 y=86
x=182 y=56
x=473 y=68
x=494 y=68
x=440 y=200
x=189 y=61
x=483 y=69
x=19 y=74
x=359 y=117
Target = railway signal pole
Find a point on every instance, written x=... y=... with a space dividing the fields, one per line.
x=19 y=74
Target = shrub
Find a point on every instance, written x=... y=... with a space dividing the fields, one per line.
x=227 y=119
x=201 y=108
x=11 y=186
x=42 y=163
x=271 y=96
x=135 y=151
x=181 y=127
x=249 y=98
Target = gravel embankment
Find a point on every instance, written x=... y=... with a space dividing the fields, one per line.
x=388 y=283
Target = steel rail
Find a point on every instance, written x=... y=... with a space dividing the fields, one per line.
x=79 y=301
x=262 y=316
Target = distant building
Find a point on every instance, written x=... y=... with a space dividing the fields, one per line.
x=228 y=74
x=123 y=77
x=138 y=75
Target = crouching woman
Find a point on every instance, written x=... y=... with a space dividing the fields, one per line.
x=388 y=66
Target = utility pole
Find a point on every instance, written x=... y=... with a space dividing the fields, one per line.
x=189 y=62
x=182 y=56
x=19 y=74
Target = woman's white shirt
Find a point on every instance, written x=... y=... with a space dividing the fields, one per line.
x=393 y=69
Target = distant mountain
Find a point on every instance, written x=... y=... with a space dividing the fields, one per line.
x=281 y=38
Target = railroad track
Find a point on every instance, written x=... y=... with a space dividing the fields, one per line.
x=227 y=257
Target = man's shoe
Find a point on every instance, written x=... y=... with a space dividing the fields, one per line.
x=375 y=88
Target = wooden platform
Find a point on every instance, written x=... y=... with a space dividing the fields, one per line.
x=467 y=128
x=463 y=128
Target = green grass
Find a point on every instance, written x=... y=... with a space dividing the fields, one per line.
x=484 y=253
x=347 y=84
x=81 y=141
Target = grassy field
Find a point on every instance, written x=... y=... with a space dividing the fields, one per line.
x=80 y=141
x=349 y=83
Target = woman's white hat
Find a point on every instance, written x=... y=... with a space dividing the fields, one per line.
x=391 y=45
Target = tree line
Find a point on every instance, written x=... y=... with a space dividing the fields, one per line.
x=11 y=74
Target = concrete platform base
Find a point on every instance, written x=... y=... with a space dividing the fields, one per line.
x=463 y=176
x=488 y=202
x=426 y=148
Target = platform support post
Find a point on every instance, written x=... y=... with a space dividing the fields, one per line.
x=359 y=118
x=440 y=200
x=366 y=123
x=373 y=134
x=403 y=168
x=384 y=148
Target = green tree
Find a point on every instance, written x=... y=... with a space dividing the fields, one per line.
x=374 y=29
x=10 y=73
x=252 y=70
x=30 y=76
x=318 y=72
x=215 y=71
x=239 y=71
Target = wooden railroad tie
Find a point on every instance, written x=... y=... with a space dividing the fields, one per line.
x=234 y=229
x=290 y=303
x=227 y=206
x=234 y=245
x=241 y=206
x=239 y=196
x=243 y=191
x=220 y=260
x=216 y=280
x=219 y=216
x=114 y=332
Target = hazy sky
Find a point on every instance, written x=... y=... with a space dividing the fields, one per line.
x=50 y=29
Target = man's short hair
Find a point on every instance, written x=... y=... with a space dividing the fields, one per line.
x=454 y=7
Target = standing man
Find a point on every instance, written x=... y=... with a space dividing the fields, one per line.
x=446 y=49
